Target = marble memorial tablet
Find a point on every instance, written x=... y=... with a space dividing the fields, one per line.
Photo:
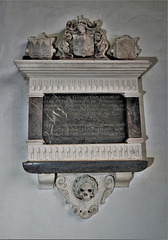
x=84 y=118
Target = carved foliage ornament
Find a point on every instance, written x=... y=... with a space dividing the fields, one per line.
x=83 y=38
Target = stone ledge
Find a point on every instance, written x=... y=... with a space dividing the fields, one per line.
x=71 y=68
x=84 y=166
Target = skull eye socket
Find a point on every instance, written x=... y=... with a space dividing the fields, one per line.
x=81 y=190
x=89 y=190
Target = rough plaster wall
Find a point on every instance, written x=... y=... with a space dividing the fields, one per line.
x=139 y=212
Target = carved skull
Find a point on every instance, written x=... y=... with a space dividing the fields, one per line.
x=85 y=187
x=86 y=191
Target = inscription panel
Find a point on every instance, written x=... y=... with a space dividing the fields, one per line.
x=84 y=118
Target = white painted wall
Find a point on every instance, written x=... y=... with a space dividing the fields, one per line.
x=139 y=212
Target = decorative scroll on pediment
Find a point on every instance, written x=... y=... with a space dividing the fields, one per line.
x=83 y=38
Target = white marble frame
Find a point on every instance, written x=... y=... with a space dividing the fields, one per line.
x=85 y=76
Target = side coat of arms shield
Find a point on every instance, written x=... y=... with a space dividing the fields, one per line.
x=126 y=47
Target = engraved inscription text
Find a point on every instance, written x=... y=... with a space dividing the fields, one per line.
x=84 y=118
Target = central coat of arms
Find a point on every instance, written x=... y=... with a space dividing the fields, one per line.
x=83 y=45
x=83 y=38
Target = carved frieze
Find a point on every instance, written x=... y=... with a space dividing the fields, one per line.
x=79 y=152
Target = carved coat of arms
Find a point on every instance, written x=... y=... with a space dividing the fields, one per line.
x=126 y=47
x=40 y=47
x=83 y=38
x=83 y=45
